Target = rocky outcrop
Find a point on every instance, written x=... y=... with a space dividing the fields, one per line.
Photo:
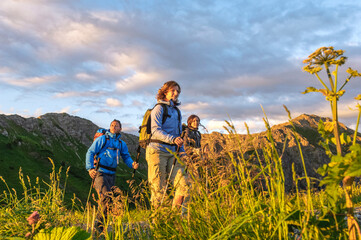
x=286 y=144
x=58 y=126
x=29 y=143
x=75 y=135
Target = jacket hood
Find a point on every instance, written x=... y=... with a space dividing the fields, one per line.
x=170 y=103
x=164 y=102
x=113 y=135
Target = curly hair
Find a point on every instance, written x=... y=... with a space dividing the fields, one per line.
x=164 y=89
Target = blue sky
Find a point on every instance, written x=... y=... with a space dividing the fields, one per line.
x=102 y=60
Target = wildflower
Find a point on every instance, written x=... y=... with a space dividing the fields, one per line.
x=353 y=73
x=33 y=218
x=323 y=56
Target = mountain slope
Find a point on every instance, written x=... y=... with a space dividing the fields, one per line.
x=286 y=145
x=29 y=142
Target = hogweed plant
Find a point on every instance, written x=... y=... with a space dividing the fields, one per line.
x=342 y=167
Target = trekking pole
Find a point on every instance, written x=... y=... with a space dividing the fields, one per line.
x=170 y=175
x=91 y=186
x=136 y=160
x=171 y=171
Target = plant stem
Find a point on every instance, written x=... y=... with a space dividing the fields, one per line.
x=318 y=77
x=357 y=123
x=336 y=125
x=330 y=77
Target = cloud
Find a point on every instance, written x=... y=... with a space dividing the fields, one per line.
x=38 y=112
x=113 y=102
x=73 y=35
x=229 y=57
x=29 y=82
x=84 y=76
x=137 y=80
x=93 y=94
x=65 y=109
x=104 y=110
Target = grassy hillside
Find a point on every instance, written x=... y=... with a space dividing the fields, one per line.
x=229 y=199
x=30 y=150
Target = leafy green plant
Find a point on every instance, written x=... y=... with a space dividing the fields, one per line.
x=62 y=233
x=341 y=167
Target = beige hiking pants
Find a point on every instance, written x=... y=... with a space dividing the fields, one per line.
x=159 y=167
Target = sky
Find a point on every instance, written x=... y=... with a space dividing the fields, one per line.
x=105 y=60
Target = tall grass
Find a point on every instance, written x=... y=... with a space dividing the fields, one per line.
x=46 y=197
x=234 y=195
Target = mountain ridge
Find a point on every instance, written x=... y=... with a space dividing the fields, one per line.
x=29 y=142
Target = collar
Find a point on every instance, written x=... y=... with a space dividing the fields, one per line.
x=170 y=103
x=193 y=129
x=113 y=135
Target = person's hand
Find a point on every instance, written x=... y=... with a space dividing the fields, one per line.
x=178 y=141
x=135 y=165
x=92 y=173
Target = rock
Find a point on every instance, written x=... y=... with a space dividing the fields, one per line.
x=5 y=133
x=59 y=126
x=306 y=132
x=73 y=133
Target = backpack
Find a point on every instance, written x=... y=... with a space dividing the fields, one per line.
x=100 y=132
x=145 y=133
x=184 y=127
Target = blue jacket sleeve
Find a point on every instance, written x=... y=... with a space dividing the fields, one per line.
x=125 y=155
x=92 y=151
x=156 y=126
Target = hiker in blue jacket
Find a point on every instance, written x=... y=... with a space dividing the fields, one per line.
x=106 y=151
x=166 y=136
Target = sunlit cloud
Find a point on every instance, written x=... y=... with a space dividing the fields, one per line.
x=30 y=82
x=38 y=112
x=195 y=106
x=113 y=102
x=84 y=76
x=214 y=125
x=124 y=63
x=67 y=53
x=65 y=109
x=69 y=111
x=129 y=129
x=79 y=94
x=74 y=35
x=138 y=80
